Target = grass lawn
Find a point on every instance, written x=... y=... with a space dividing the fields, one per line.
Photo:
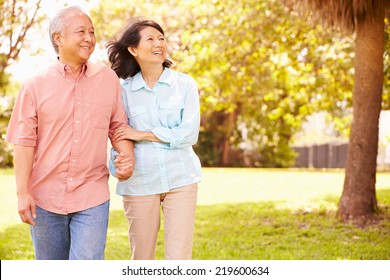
x=245 y=214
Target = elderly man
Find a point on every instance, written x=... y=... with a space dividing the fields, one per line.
x=59 y=128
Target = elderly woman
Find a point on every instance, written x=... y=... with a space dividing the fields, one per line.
x=164 y=118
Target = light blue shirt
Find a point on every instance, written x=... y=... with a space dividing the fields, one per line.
x=170 y=111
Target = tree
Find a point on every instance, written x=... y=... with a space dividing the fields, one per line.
x=386 y=88
x=367 y=20
x=261 y=69
x=16 y=18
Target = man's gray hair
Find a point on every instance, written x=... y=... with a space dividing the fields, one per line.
x=57 y=23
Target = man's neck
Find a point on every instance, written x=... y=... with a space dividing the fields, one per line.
x=75 y=68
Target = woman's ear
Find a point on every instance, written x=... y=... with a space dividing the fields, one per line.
x=132 y=50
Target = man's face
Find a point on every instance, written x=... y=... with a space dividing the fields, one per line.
x=77 y=41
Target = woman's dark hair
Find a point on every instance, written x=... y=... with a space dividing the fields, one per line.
x=122 y=61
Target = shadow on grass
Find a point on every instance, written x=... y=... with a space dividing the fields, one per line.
x=248 y=231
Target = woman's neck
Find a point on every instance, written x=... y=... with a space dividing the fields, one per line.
x=151 y=75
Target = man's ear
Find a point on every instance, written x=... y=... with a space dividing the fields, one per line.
x=57 y=39
x=132 y=50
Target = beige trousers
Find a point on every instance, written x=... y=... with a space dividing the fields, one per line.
x=143 y=214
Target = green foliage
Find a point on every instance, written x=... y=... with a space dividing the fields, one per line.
x=269 y=69
x=261 y=68
x=17 y=17
x=6 y=105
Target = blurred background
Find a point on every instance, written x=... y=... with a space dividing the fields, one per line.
x=276 y=84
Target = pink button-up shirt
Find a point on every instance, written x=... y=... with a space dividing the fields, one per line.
x=68 y=122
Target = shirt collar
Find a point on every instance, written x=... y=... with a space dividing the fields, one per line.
x=64 y=69
x=165 y=78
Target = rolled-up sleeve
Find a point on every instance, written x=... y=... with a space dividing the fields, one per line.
x=22 y=128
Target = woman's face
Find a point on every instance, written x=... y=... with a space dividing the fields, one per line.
x=151 y=48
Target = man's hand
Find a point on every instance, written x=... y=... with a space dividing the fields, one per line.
x=26 y=209
x=124 y=167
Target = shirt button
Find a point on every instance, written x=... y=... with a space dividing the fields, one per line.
x=70 y=179
x=76 y=140
x=77 y=121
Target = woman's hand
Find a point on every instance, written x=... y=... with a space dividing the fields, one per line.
x=128 y=133
x=135 y=135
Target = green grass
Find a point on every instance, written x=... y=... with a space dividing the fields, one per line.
x=245 y=214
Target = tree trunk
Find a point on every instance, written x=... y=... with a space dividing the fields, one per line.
x=230 y=121
x=358 y=199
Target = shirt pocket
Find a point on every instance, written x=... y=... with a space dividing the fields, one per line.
x=138 y=117
x=100 y=116
x=170 y=113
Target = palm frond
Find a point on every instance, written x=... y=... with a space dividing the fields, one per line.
x=344 y=13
